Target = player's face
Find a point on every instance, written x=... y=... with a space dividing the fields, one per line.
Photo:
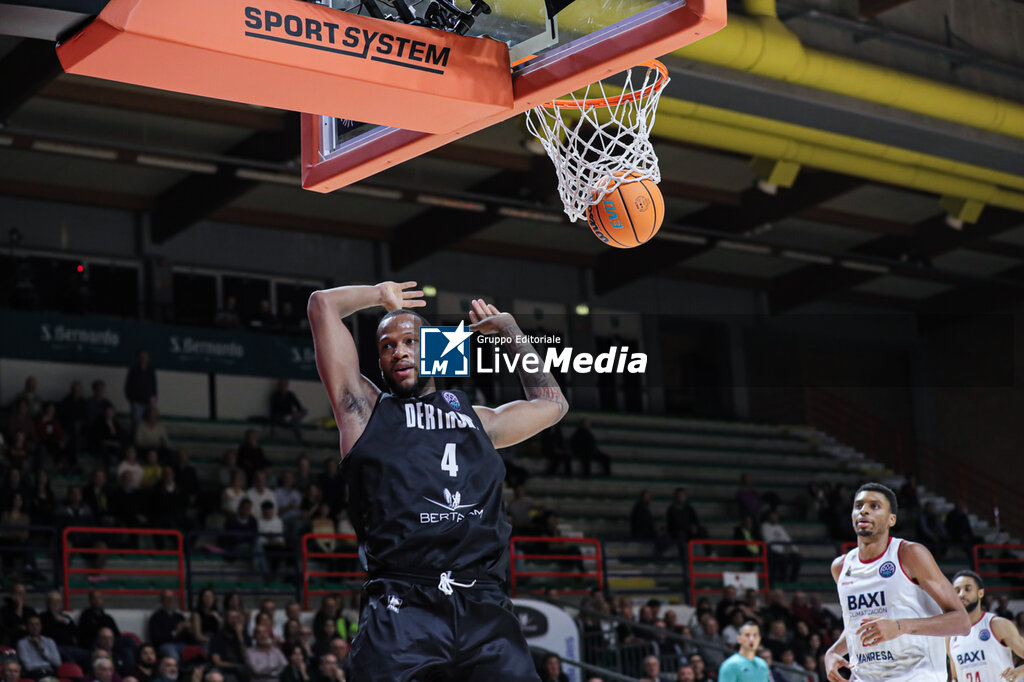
x=398 y=344
x=967 y=590
x=749 y=638
x=871 y=515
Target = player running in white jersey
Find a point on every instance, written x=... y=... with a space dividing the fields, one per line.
x=986 y=654
x=897 y=604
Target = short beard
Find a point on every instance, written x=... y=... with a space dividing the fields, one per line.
x=972 y=605
x=401 y=392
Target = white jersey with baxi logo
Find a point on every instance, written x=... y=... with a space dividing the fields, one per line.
x=979 y=656
x=880 y=588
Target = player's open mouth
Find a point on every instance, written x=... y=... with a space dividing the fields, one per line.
x=863 y=524
x=403 y=371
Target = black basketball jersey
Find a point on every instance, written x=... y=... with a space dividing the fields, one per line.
x=425 y=486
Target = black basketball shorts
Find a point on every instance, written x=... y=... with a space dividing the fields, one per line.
x=413 y=632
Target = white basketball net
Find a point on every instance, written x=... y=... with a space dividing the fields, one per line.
x=600 y=140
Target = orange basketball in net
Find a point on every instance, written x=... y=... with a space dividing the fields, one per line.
x=629 y=215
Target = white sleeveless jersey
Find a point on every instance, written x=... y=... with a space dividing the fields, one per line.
x=881 y=589
x=979 y=656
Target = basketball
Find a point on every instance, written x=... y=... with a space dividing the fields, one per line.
x=629 y=215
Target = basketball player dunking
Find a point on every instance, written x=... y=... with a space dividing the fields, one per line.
x=986 y=654
x=897 y=605
x=425 y=485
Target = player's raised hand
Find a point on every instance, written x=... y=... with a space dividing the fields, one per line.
x=1013 y=674
x=395 y=295
x=874 y=631
x=833 y=664
x=486 y=319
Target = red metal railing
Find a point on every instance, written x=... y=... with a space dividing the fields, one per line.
x=307 y=555
x=69 y=550
x=761 y=560
x=1003 y=557
x=954 y=476
x=517 y=573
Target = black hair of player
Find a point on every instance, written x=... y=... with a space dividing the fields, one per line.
x=885 y=490
x=751 y=622
x=400 y=311
x=972 y=575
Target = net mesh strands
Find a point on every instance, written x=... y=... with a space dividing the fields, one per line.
x=599 y=138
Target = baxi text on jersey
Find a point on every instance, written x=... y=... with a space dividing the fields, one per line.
x=868 y=600
x=971 y=657
x=616 y=360
x=351 y=41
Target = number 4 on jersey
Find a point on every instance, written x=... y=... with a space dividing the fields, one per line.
x=448 y=462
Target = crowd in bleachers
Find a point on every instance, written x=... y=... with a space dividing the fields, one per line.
x=218 y=640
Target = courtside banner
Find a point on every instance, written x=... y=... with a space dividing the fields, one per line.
x=297 y=56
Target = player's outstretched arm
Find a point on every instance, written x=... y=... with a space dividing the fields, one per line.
x=920 y=566
x=545 y=405
x=352 y=395
x=1006 y=633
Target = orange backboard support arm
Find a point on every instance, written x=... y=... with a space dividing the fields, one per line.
x=658 y=31
x=297 y=56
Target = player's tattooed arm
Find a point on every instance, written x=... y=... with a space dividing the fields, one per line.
x=545 y=404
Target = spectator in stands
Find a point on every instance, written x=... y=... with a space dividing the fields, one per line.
x=60 y=627
x=188 y=479
x=958 y=526
x=776 y=608
x=555 y=451
x=167 y=670
x=522 y=510
x=259 y=492
x=264 y=660
x=700 y=669
x=20 y=450
x=52 y=440
x=775 y=675
x=93 y=619
x=97 y=403
x=206 y=617
x=40 y=498
x=784 y=557
x=250 y=454
x=122 y=657
x=778 y=639
x=822 y=619
x=711 y=643
x=312 y=505
x=242 y=529
x=682 y=521
x=296 y=669
x=75 y=512
x=641 y=519
x=131 y=504
x=151 y=434
x=15 y=558
x=140 y=387
x=289 y=503
x=22 y=420
x=291 y=321
x=97 y=498
x=328 y=671
x=271 y=541
x=286 y=410
x=227 y=647
x=38 y=653
x=747 y=531
x=228 y=466
x=908 y=493
x=788 y=658
x=169 y=629
x=930 y=530
x=233 y=494
x=325 y=620
x=666 y=646
x=584 y=445
x=145 y=663
x=15 y=483
x=73 y=412
x=12 y=670
x=264 y=320
x=228 y=317
x=169 y=503
x=266 y=620
x=30 y=397
x=15 y=614
x=748 y=500
x=152 y=470
x=304 y=476
x=106 y=436
x=685 y=673
x=340 y=649
x=551 y=670
x=652 y=670
x=1003 y=609
x=103 y=671
x=726 y=607
x=332 y=485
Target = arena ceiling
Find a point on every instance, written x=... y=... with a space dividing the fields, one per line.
x=854 y=236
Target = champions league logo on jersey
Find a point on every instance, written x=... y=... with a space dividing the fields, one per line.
x=444 y=352
x=887 y=570
x=984 y=635
x=451 y=399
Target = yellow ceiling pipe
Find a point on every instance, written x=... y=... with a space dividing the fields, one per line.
x=761 y=44
x=754 y=143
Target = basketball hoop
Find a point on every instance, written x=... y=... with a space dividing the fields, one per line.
x=598 y=140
